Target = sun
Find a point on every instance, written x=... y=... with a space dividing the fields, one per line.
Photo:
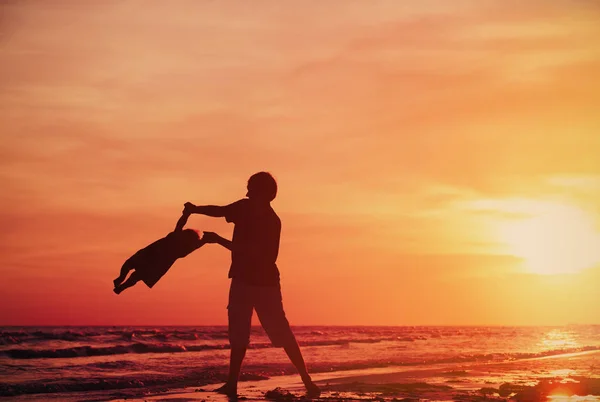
x=552 y=238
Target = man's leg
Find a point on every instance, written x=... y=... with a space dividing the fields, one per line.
x=239 y=312
x=269 y=308
x=293 y=351
x=235 y=366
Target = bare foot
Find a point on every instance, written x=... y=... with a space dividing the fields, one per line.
x=229 y=390
x=117 y=289
x=117 y=282
x=312 y=391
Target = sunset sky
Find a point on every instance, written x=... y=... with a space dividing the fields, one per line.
x=438 y=162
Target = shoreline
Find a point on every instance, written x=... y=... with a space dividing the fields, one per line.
x=545 y=378
x=531 y=379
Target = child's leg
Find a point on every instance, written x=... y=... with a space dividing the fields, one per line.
x=128 y=266
x=134 y=278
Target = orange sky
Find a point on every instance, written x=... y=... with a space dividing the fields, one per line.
x=436 y=161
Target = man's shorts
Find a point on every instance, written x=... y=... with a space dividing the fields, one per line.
x=267 y=302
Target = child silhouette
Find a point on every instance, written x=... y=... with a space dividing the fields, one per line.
x=152 y=262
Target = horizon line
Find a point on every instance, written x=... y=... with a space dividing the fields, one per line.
x=310 y=325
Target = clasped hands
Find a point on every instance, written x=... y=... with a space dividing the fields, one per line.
x=188 y=208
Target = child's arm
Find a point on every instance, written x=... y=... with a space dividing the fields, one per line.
x=181 y=222
x=211 y=237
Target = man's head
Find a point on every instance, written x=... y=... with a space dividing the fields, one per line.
x=262 y=186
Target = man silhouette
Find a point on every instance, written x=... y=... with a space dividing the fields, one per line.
x=254 y=276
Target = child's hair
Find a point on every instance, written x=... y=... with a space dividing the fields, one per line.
x=189 y=236
x=191 y=233
x=264 y=185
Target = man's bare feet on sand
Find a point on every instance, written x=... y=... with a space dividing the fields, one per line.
x=229 y=390
x=312 y=391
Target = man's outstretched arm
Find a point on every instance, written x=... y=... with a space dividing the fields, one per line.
x=212 y=237
x=208 y=210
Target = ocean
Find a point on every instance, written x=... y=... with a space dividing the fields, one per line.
x=48 y=361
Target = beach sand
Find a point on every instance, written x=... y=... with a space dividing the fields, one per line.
x=565 y=377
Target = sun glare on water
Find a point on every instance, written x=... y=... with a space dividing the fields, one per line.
x=552 y=238
x=573 y=398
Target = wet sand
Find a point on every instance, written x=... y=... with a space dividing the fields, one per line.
x=566 y=377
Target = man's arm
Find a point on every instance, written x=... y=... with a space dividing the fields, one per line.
x=208 y=210
x=212 y=237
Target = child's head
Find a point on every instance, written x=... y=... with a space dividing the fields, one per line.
x=262 y=186
x=190 y=236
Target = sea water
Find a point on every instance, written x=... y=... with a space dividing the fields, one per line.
x=50 y=360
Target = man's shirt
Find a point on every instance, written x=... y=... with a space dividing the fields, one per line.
x=255 y=243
